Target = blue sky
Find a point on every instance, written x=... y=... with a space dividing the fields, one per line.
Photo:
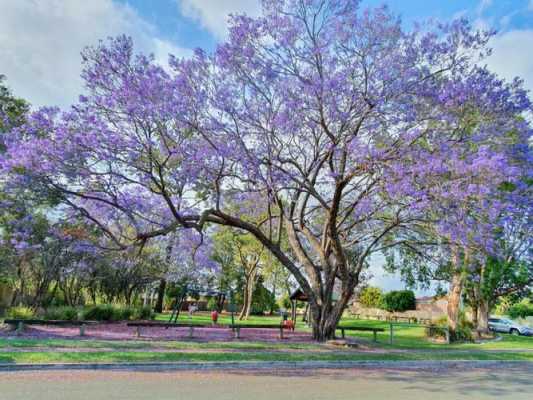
x=185 y=30
x=41 y=40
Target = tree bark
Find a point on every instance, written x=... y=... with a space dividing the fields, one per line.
x=325 y=317
x=475 y=313
x=483 y=317
x=248 y=295
x=454 y=303
x=160 y=296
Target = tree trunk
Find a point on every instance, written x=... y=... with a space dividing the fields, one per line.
x=326 y=316
x=475 y=313
x=273 y=305
x=454 y=303
x=145 y=298
x=160 y=296
x=483 y=317
x=248 y=297
x=244 y=302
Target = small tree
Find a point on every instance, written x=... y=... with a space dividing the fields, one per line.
x=371 y=297
x=399 y=301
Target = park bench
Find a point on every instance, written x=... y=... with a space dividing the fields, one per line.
x=237 y=328
x=156 y=324
x=400 y=318
x=360 y=328
x=20 y=323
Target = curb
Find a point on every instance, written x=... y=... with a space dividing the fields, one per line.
x=428 y=366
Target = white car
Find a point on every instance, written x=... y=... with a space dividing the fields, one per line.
x=507 y=326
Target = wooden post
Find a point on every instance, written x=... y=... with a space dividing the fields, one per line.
x=281 y=332
x=82 y=330
x=343 y=334
x=391 y=333
x=293 y=310
x=237 y=331
x=20 y=328
x=138 y=331
x=447 y=332
x=375 y=336
x=191 y=330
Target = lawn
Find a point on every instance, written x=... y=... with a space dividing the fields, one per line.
x=412 y=336
x=224 y=319
x=250 y=356
x=409 y=344
x=405 y=336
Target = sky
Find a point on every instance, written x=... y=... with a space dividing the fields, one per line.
x=41 y=40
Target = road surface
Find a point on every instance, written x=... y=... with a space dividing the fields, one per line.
x=511 y=383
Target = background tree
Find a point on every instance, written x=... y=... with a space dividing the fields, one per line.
x=371 y=297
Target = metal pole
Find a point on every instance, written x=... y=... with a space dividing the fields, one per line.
x=232 y=307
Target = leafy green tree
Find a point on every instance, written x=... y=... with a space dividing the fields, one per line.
x=12 y=110
x=399 y=300
x=371 y=297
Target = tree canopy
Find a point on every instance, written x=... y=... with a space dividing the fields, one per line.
x=347 y=132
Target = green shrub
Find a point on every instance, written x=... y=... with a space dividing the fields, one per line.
x=143 y=313
x=212 y=304
x=61 y=313
x=100 y=312
x=523 y=309
x=371 y=297
x=123 y=313
x=20 y=313
x=463 y=333
x=262 y=299
x=107 y=312
x=285 y=302
x=399 y=301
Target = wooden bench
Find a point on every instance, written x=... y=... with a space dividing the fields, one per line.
x=20 y=323
x=360 y=328
x=156 y=324
x=400 y=318
x=237 y=328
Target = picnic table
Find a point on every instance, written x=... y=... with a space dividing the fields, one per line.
x=360 y=328
x=156 y=324
x=20 y=323
x=237 y=328
x=399 y=318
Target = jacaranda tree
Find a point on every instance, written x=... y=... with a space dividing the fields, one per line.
x=338 y=125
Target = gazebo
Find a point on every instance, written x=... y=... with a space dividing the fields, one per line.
x=299 y=295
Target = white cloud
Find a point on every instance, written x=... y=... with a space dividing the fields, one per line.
x=510 y=57
x=213 y=14
x=530 y=5
x=40 y=43
x=483 y=6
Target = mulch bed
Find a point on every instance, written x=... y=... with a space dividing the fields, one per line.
x=120 y=331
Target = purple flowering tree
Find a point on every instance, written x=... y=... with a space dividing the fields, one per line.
x=343 y=126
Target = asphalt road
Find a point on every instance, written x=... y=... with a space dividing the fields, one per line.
x=511 y=383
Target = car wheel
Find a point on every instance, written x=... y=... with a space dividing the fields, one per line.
x=515 y=332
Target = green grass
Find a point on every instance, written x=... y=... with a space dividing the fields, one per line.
x=412 y=336
x=131 y=356
x=409 y=344
x=24 y=344
x=224 y=319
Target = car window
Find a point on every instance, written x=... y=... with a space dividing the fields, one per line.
x=494 y=320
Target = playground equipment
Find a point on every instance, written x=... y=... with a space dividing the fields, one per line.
x=189 y=290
